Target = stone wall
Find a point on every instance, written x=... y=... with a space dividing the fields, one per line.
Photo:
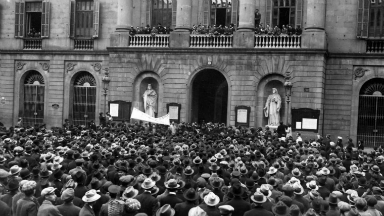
x=57 y=78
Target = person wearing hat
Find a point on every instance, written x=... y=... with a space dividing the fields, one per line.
x=165 y=210
x=80 y=189
x=12 y=187
x=209 y=204
x=89 y=199
x=298 y=190
x=333 y=209
x=149 y=204
x=68 y=208
x=115 y=205
x=361 y=205
x=280 y=209
x=216 y=185
x=47 y=208
x=226 y=210
x=191 y=197
x=28 y=205
x=96 y=185
x=171 y=199
x=237 y=202
x=258 y=199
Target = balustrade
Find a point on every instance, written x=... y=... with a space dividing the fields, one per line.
x=281 y=41
x=84 y=44
x=33 y=44
x=375 y=46
x=148 y=40
x=211 y=41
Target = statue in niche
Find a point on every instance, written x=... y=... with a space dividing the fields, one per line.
x=272 y=108
x=150 y=101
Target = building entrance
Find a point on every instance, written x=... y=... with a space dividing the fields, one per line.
x=370 y=129
x=209 y=97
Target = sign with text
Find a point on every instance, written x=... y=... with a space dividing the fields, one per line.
x=305 y=119
x=242 y=115
x=173 y=109
x=114 y=109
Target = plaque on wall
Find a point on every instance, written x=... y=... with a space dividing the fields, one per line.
x=242 y=114
x=305 y=119
x=120 y=110
x=173 y=109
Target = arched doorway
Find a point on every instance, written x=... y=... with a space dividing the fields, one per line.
x=370 y=127
x=83 y=99
x=32 y=99
x=209 y=97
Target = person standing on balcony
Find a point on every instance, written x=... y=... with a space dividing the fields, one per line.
x=257 y=18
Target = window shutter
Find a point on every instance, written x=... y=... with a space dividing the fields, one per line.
x=19 y=19
x=45 y=17
x=363 y=18
x=268 y=14
x=206 y=8
x=72 y=19
x=96 y=18
x=174 y=13
x=299 y=13
x=235 y=10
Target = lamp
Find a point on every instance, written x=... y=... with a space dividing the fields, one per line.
x=106 y=79
x=288 y=92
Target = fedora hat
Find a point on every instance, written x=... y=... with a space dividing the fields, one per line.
x=197 y=160
x=237 y=190
x=130 y=192
x=375 y=168
x=188 y=171
x=45 y=173
x=57 y=174
x=148 y=184
x=296 y=172
x=312 y=185
x=91 y=196
x=147 y=171
x=258 y=197
x=165 y=210
x=216 y=183
x=56 y=166
x=24 y=174
x=12 y=185
x=333 y=199
x=214 y=167
x=264 y=189
x=155 y=177
x=280 y=209
x=272 y=170
x=172 y=184
x=298 y=189
x=211 y=199
x=191 y=194
x=15 y=170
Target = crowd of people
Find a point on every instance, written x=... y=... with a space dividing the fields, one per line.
x=213 y=30
x=139 y=169
x=159 y=29
x=276 y=31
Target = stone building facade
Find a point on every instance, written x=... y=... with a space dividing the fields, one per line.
x=335 y=67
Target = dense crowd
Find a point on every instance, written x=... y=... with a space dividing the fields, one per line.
x=213 y=30
x=159 y=29
x=276 y=31
x=187 y=169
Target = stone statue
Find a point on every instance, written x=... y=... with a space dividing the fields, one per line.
x=150 y=101
x=272 y=108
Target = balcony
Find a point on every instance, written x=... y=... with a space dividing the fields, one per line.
x=375 y=46
x=211 y=41
x=148 y=40
x=83 y=44
x=33 y=44
x=278 y=42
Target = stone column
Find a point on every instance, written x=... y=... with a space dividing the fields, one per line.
x=316 y=14
x=183 y=15
x=124 y=15
x=246 y=15
x=244 y=37
x=314 y=36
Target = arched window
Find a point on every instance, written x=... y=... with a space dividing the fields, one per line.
x=32 y=97
x=83 y=107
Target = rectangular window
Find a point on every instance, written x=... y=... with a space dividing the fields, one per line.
x=84 y=19
x=32 y=19
x=376 y=20
x=162 y=13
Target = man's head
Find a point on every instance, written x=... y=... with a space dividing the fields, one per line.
x=49 y=193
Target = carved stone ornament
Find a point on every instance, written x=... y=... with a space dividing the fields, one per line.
x=96 y=67
x=20 y=65
x=360 y=72
x=70 y=66
x=45 y=66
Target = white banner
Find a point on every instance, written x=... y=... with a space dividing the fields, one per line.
x=137 y=114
